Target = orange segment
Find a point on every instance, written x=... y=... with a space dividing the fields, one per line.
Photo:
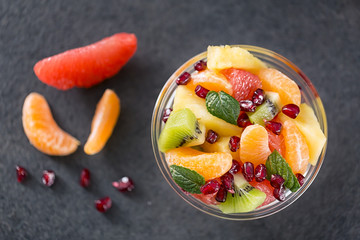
x=276 y=142
x=103 y=123
x=254 y=145
x=275 y=81
x=211 y=81
x=209 y=165
x=297 y=151
x=42 y=130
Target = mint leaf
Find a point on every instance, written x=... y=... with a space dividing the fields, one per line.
x=187 y=179
x=276 y=164
x=223 y=106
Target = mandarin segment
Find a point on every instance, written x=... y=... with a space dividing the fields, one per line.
x=211 y=81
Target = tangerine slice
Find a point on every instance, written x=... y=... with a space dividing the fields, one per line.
x=42 y=130
x=275 y=81
x=211 y=81
x=209 y=165
x=103 y=123
x=254 y=145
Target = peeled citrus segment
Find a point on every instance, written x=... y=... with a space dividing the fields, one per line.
x=42 y=130
x=211 y=81
x=209 y=165
x=296 y=149
x=103 y=123
x=276 y=142
x=275 y=81
x=254 y=145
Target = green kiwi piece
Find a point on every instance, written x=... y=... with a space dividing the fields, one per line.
x=181 y=129
x=245 y=199
x=266 y=111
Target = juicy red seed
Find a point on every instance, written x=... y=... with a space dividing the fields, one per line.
x=124 y=184
x=228 y=182
x=247 y=106
x=210 y=187
x=201 y=91
x=85 y=177
x=21 y=173
x=279 y=193
x=166 y=114
x=235 y=167
x=211 y=136
x=234 y=143
x=200 y=65
x=183 y=79
x=221 y=194
x=276 y=181
x=258 y=97
x=104 y=204
x=291 y=110
x=300 y=178
x=248 y=171
x=48 y=178
x=260 y=173
x=275 y=127
x=243 y=120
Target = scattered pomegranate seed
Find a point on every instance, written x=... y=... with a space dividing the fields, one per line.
x=124 y=184
x=85 y=177
x=291 y=110
x=228 y=182
x=221 y=194
x=210 y=187
x=48 y=178
x=247 y=106
x=248 y=171
x=243 y=120
x=258 y=97
x=21 y=173
x=234 y=143
x=211 y=137
x=300 y=178
x=276 y=181
x=260 y=173
x=200 y=65
x=279 y=193
x=235 y=167
x=183 y=79
x=201 y=91
x=275 y=127
x=104 y=204
x=166 y=114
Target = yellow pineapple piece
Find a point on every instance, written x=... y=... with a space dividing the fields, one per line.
x=221 y=145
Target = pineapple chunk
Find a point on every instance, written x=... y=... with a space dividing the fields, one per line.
x=185 y=98
x=222 y=57
x=221 y=145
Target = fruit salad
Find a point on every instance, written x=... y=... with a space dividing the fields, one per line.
x=238 y=135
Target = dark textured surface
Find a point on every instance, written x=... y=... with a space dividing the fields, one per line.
x=321 y=37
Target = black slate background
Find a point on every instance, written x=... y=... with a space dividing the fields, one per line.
x=321 y=37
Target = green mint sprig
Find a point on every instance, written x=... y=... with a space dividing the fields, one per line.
x=187 y=179
x=223 y=106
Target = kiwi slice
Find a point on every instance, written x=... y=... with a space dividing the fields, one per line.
x=245 y=199
x=181 y=129
x=266 y=111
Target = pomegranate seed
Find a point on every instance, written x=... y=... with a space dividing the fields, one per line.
x=21 y=173
x=275 y=127
x=183 y=79
x=210 y=187
x=85 y=177
x=291 y=110
x=124 y=184
x=200 y=65
x=248 y=171
x=221 y=194
x=276 y=181
x=247 y=106
x=104 y=204
x=235 y=167
x=279 y=193
x=243 y=120
x=48 y=178
x=260 y=173
x=234 y=143
x=166 y=114
x=228 y=182
x=258 y=97
x=300 y=178
x=211 y=136
x=201 y=91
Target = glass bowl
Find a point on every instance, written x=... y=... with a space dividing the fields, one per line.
x=309 y=95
